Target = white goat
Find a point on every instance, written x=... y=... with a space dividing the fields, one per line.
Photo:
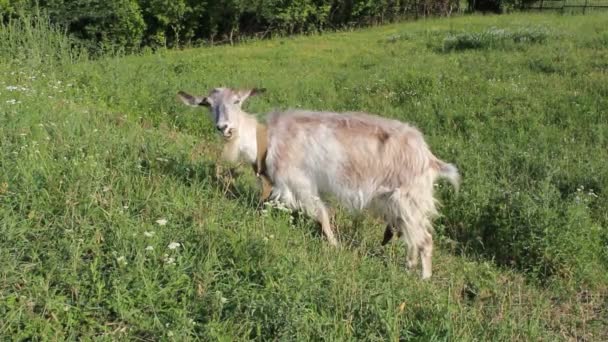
x=363 y=161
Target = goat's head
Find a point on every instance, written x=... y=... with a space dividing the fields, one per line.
x=224 y=107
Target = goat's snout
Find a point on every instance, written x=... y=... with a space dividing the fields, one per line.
x=225 y=130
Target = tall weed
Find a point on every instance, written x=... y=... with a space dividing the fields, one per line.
x=493 y=38
x=33 y=41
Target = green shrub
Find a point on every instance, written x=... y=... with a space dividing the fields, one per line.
x=102 y=24
x=130 y=23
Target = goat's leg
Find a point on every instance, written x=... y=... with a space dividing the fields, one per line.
x=323 y=218
x=412 y=255
x=400 y=218
x=266 y=185
x=306 y=196
x=405 y=234
x=426 y=254
x=316 y=208
x=420 y=243
x=423 y=240
x=388 y=234
x=414 y=221
x=266 y=188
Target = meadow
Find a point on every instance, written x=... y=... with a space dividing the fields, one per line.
x=114 y=224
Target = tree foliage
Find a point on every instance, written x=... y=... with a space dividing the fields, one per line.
x=131 y=24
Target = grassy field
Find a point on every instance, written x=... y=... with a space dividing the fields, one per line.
x=114 y=224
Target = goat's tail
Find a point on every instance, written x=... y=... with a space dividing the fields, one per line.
x=448 y=171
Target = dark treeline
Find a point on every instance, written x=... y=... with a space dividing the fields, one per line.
x=132 y=24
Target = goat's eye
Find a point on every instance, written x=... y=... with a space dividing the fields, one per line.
x=236 y=101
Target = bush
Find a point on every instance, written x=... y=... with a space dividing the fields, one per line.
x=131 y=23
x=100 y=23
x=496 y=6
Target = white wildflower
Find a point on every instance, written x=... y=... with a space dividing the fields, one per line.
x=148 y=234
x=122 y=260
x=161 y=222
x=173 y=245
x=169 y=260
x=150 y=248
x=170 y=333
x=277 y=205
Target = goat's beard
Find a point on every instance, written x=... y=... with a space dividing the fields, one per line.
x=230 y=151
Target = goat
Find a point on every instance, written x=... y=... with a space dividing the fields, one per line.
x=362 y=160
x=238 y=128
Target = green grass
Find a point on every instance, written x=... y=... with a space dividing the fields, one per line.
x=94 y=153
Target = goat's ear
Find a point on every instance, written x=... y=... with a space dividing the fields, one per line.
x=244 y=94
x=191 y=100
